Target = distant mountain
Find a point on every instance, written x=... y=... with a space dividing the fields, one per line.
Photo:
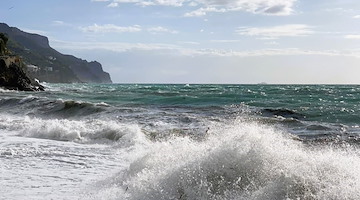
x=47 y=64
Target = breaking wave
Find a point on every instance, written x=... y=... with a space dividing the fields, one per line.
x=31 y=105
x=239 y=161
x=82 y=131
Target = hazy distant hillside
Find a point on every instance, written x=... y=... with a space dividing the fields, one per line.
x=47 y=64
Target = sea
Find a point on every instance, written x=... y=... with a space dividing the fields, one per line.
x=180 y=142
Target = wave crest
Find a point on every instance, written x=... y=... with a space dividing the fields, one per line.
x=54 y=108
x=83 y=131
x=243 y=161
x=74 y=108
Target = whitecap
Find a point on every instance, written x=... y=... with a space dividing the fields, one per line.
x=239 y=161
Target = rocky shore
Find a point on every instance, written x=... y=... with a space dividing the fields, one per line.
x=12 y=75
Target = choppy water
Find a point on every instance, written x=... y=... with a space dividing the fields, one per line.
x=88 y=141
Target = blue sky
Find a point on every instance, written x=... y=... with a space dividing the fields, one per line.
x=202 y=41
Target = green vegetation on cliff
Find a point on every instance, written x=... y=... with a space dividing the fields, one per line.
x=3 y=41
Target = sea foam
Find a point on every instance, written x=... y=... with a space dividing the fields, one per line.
x=82 y=131
x=243 y=160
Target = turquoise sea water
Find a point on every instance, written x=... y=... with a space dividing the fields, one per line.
x=144 y=141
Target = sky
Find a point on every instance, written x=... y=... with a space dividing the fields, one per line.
x=202 y=41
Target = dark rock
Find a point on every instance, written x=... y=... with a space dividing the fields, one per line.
x=12 y=76
x=283 y=113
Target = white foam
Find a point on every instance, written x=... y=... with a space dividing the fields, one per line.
x=3 y=90
x=102 y=104
x=83 y=131
x=239 y=161
x=27 y=99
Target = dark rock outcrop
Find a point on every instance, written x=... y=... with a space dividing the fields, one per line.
x=12 y=76
x=53 y=66
x=283 y=113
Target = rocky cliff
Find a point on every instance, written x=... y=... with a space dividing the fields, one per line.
x=12 y=75
x=49 y=65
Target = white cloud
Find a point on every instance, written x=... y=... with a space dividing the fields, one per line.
x=112 y=46
x=225 y=41
x=203 y=11
x=58 y=22
x=270 y=52
x=189 y=43
x=289 y=30
x=272 y=43
x=340 y=10
x=164 y=49
x=266 y=7
x=159 y=29
x=61 y=23
x=113 y=5
x=356 y=17
x=357 y=37
x=110 y=28
x=193 y=4
x=176 y=3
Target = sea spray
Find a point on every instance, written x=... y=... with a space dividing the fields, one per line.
x=238 y=161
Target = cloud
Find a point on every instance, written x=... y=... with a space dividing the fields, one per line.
x=270 y=52
x=265 y=7
x=170 y=49
x=193 y=4
x=289 y=30
x=203 y=11
x=357 y=37
x=159 y=29
x=189 y=43
x=61 y=23
x=113 y=5
x=113 y=46
x=225 y=41
x=110 y=28
x=175 y=3
x=272 y=43
x=356 y=17
x=58 y=22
